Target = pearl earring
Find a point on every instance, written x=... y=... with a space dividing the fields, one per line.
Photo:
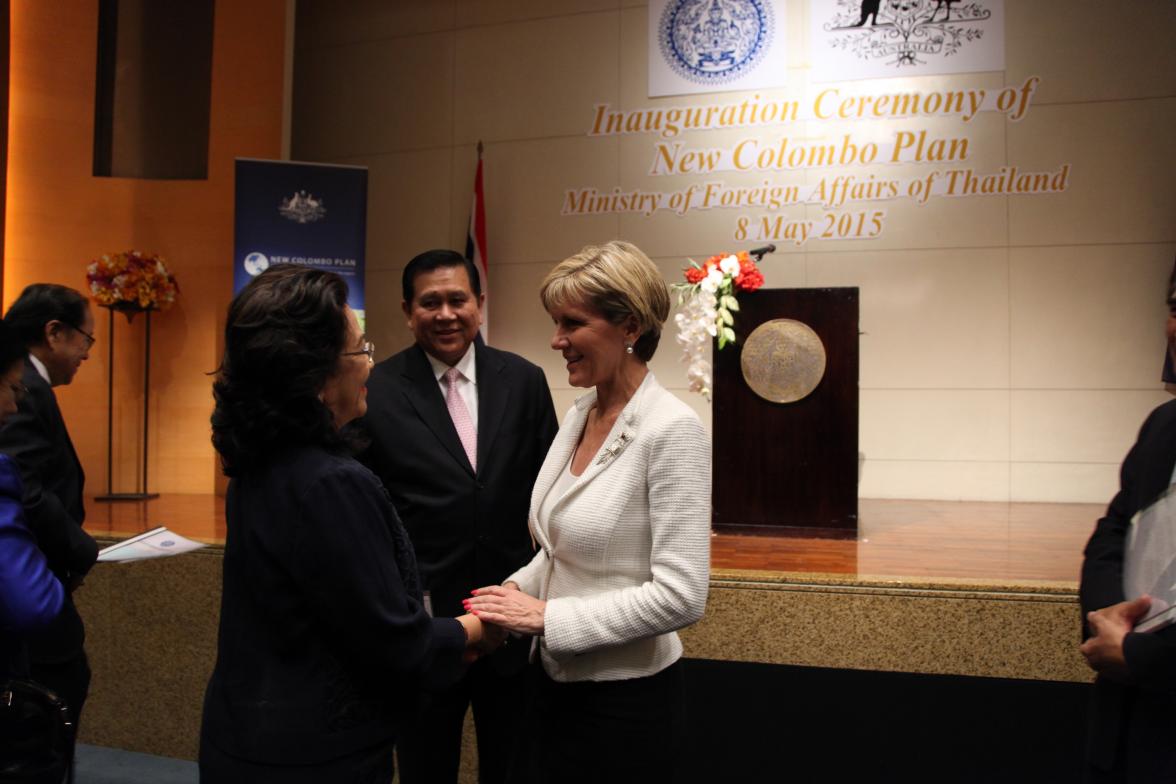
x=628 y=348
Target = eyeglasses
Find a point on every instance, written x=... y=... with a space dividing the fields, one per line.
x=90 y=340
x=369 y=348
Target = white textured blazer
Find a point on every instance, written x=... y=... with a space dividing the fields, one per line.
x=624 y=556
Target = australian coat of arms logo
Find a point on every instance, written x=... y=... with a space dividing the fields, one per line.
x=714 y=41
x=905 y=32
x=302 y=207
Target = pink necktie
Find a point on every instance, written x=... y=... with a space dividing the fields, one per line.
x=461 y=416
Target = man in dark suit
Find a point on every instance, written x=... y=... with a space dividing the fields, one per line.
x=1133 y=713
x=56 y=326
x=458 y=432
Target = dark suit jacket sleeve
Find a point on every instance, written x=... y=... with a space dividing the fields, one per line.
x=25 y=437
x=355 y=587
x=1102 y=567
x=547 y=424
x=1151 y=656
x=1151 y=659
x=30 y=596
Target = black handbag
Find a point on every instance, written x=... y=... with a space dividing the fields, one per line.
x=35 y=733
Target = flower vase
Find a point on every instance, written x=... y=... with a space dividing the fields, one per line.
x=129 y=309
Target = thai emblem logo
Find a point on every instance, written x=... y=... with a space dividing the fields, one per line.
x=905 y=32
x=302 y=207
x=715 y=41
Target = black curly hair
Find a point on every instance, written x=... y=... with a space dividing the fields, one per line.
x=283 y=338
x=12 y=350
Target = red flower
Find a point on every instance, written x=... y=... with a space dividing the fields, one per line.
x=749 y=277
x=694 y=274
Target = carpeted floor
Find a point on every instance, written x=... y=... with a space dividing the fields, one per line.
x=101 y=765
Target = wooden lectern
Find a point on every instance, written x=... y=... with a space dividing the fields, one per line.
x=789 y=468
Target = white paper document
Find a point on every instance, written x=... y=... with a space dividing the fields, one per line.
x=156 y=543
x=1149 y=564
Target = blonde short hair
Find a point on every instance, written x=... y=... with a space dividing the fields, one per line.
x=617 y=280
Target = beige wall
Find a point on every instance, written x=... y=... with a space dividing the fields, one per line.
x=59 y=217
x=1011 y=345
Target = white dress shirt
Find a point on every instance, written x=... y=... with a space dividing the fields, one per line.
x=41 y=369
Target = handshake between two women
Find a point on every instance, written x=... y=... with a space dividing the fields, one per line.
x=494 y=612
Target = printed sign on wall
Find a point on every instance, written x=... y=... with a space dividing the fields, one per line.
x=798 y=165
x=707 y=46
x=310 y=214
x=863 y=39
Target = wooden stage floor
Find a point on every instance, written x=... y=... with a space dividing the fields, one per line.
x=1012 y=542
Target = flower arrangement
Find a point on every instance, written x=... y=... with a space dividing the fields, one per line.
x=707 y=300
x=132 y=281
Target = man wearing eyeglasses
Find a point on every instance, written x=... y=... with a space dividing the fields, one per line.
x=458 y=432
x=57 y=327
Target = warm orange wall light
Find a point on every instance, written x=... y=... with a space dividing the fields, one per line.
x=59 y=217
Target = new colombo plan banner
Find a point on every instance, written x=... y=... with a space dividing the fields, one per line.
x=310 y=214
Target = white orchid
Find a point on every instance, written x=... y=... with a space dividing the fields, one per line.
x=708 y=304
x=729 y=266
x=696 y=329
x=710 y=284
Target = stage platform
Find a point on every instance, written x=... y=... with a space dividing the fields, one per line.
x=930 y=590
x=1007 y=542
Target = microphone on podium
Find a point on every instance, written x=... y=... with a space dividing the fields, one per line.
x=759 y=253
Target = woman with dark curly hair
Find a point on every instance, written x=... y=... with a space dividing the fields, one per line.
x=324 y=641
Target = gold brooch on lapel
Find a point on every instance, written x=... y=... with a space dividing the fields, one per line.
x=616 y=447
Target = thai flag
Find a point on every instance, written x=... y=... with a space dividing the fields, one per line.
x=476 y=243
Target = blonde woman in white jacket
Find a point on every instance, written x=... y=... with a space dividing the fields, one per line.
x=621 y=515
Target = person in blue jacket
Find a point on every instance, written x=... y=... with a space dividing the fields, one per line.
x=30 y=596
